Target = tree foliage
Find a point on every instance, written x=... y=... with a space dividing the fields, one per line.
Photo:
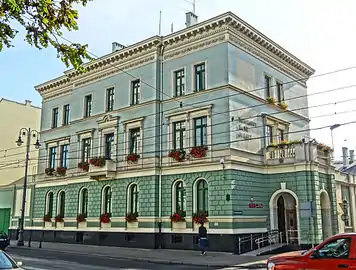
x=44 y=21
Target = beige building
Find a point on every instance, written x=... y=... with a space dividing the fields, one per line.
x=14 y=117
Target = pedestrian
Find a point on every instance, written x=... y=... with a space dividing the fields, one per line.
x=203 y=239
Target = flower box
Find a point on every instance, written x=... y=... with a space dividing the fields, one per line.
x=105 y=218
x=199 y=151
x=200 y=217
x=49 y=171
x=105 y=225
x=47 y=218
x=178 y=216
x=132 y=225
x=58 y=219
x=178 y=155
x=83 y=166
x=61 y=171
x=48 y=224
x=271 y=100
x=59 y=225
x=81 y=218
x=181 y=225
x=283 y=105
x=82 y=225
x=97 y=161
x=131 y=217
x=132 y=157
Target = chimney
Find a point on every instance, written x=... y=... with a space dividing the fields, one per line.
x=190 y=19
x=117 y=47
x=344 y=156
x=28 y=102
x=352 y=156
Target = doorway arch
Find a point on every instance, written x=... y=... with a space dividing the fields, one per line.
x=325 y=206
x=284 y=215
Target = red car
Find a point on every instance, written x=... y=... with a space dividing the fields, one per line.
x=337 y=252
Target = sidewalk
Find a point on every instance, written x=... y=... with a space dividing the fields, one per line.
x=160 y=256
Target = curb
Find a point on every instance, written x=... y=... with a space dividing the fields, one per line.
x=136 y=259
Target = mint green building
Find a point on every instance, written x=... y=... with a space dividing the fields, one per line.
x=207 y=125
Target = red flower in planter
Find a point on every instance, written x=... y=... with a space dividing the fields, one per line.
x=133 y=157
x=199 y=151
x=47 y=218
x=105 y=218
x=178 y=155
x=97 y=161
x=58 y=218
x=201 y=217
x=131 y=217
x=178 y=216
x=61 y=171
x=83 y=165
x=81 y=218
x=49 y=171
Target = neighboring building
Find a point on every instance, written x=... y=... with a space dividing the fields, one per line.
x=15 y=116
x=212 y=85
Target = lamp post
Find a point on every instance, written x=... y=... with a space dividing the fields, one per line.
x=335 y=126
x=30 y=134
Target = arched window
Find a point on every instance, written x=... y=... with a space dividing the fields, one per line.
x=179 y=197
x=83 y=202
x=49 y=204
x=61 y=203
x=133 y=199
x=202 y=196
x=106 y=200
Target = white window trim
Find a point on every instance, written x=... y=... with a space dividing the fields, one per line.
x=86 y=134
x=106 y=97
x=128 y=198
x=173 y=81
x=192 y=83
x=139 y=91
x=271 y=88
x=128 y=125
x=174 y=189
x=47 y=202
x=58 y=201
x=80 y=199
x=276 y=124
x=102 y=134
x=195 y=194
x=102 y=198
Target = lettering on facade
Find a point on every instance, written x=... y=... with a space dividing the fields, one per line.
x=243 y=128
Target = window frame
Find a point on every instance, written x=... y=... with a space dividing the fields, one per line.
x=179 y=82
x=267 y=80
x=49 y=204
x=269 y=135
x=86 y=149
x=199 y=77
x=66 y=114
x=83 y=201
x=52 y=158
x=61 y=203
x=180 y=197
x=107 y=200
x=133 y=198
x=88 y=106
x=64 y=155
x=205 y=195
x=182 y=133
x=110 y=99
x=55 y=116
x=203 y=128
x=132 y=139
x=108 y=150
x=280 y=91
x=135 y=92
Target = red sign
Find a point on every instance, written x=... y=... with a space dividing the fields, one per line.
x=255 y=205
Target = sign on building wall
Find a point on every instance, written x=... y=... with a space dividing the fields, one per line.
x=245 y=128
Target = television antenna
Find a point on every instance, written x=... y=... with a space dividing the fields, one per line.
x=193 y=5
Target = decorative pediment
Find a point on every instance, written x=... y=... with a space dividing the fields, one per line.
x=108 y=121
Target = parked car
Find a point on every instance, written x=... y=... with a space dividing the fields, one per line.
x=6 y=262
x=4 y=241
x=336 y=252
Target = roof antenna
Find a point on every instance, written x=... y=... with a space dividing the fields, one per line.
x=160 y=23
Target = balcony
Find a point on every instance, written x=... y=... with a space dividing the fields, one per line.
x=296 y=152
x=101 y=169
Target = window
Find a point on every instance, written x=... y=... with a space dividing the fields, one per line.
x=83 y=199
x=200 y=128
x=268 y=86
x=280 y=93
x=109 y=143
x=61 y=203
x=110 y=99
x=134 y=140
x=180 y=200
x=6 y=262
x=202 y=196
x=199 y=77
x=178 y=135
x=133 y=201
x=55 y=118
x=64 y=156
x=280 y=135
x=86 y=145
x=106 y=200
x=337 y=248
x=49 y=204
x=135 y=92
x=52 y=157
x=88 y=105
x=269 y=135
x=66 y=109
x=179 y=86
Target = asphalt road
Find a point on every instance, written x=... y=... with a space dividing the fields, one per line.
x=48 y=260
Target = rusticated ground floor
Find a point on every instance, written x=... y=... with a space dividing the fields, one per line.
x=238 y=204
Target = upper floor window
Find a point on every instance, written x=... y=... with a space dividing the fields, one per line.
x=66 y=109
x=199 y=77
x=52 y=157
x=109 y=143
x=110 y=99
x=179 y=86
x=268 y=86
x=55 y=118
x=280 y=135
x=200 y=128
x=280 y=93
x=88 y=100
x=106 y=200
x=86 y=145
x=134 y=140
x=178 y=135
x=135 y=92
x=64 y=156
x=269 y=135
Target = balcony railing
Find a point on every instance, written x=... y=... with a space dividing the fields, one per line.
x=107 y=171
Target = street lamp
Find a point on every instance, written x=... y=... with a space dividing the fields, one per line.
x=335 y=126
x=30 y=134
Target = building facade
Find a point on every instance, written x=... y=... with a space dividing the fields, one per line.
x=15 y=116
x=203 y=124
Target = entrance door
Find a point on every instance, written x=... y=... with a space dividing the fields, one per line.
x=281 y=212
x=5 y=219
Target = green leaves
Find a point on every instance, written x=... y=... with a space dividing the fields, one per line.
x=43 y=21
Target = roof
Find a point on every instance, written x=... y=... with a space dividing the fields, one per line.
x=18 y=103
x=351 y=169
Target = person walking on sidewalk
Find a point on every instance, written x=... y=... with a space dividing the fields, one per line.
x=203 y=239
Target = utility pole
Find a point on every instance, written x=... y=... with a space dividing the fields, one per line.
x=28 y=133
